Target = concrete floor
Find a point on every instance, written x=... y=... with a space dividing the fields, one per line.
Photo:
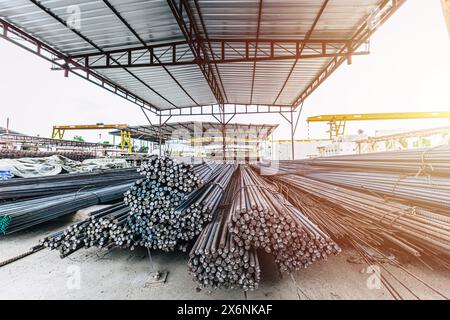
x=122 y=274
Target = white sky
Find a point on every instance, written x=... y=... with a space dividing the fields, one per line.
x=408 y=70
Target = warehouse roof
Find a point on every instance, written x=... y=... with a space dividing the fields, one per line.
x=8 y=131
x=188 y=53
x=198 y=129
x=41 y=141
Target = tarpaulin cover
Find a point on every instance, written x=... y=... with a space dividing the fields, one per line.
x=53 y=165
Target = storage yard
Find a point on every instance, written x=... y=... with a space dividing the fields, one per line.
x=192 y=203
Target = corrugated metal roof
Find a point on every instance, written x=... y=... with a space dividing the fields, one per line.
x=175 y=86
x=197 y=129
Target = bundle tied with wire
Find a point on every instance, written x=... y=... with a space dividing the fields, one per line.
x=164 y=210
x=261 y=217
x=216 y=260
x=172 y=203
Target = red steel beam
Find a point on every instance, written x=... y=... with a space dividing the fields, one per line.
x=228 y=51
x=22 y=39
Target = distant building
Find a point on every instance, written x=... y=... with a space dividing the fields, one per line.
x=341 y=146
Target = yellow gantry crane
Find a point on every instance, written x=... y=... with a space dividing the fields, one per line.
x=337 y=122
x=125 y=136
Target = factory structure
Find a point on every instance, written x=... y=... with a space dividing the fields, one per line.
x=179 y=207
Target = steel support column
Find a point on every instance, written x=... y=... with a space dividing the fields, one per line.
x=160 y=135
x=292 y=136
x=293 y=128
x=258 y=27
x=224 y=132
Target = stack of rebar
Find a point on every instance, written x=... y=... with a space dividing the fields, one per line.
x=164 y=210
x=105 y=228
x=433 y=161
x=174 y=201
x=20 y=215
x=73 y=155
x=403 y=191
x=378 y=203
x=25 y=188
x=216 y=259
x=412 y=228
x=370 y=238
x=419 y=177
x=261 y=217
x=429 y=191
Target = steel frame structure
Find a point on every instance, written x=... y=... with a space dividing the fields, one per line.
x=39 y=48
x=71 y=64
x=227 y=51
x=386 y=10
x=202 y=51
x=209 y=54
x=59 y=131
x=227 y=109
x=188 y=25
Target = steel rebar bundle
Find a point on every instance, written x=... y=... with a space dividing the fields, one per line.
x=22 y=188
x=418 y=177
x=432 y=192
x=427 y=161
x=20 y=215
x=174 y=201
x=216 y=260
x=415 y=227
x=164 y=210
x=105 y=228
x=261 y=217
x=373 y=227
x=73 y=155
x=405 y=193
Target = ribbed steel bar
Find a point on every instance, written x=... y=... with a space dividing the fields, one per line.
x=73 y=155
x=20 y=215
x=374 y=228
x=432 y=192
x=105 y=228
x=426 y=161
x=216 y=260
x=418 y=177
x=21 y=188
x=261 y=217
x=165 y=209
x=412 y=225
x=171 y=205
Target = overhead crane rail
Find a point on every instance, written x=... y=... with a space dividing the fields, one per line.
x=59 y=131
x=193 y=57
x=337 y=122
